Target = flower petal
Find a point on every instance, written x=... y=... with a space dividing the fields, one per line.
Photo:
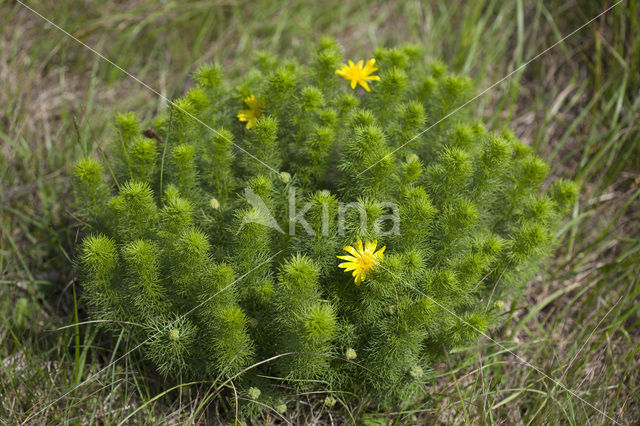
x=348 y=266
x=348 y=258
x=370 y=246
x=350 y=250
x=369 y=67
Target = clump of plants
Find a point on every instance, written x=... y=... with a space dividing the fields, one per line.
x=299 y=230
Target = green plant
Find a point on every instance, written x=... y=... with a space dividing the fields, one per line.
x=214 y=243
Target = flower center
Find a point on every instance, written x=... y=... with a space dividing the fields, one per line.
x=366 y=262
x=356 y=73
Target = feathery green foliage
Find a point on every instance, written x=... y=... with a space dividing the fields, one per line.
x=215 y=245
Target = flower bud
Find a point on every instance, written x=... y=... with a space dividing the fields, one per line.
x=350 y=354
x=214 y=203
x=416 y=372
x=285 y=177
x=330 y=401
x=254 y=393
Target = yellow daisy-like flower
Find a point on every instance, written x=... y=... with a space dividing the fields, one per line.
x=359 y=74
x=252 y=114
x=361 y=260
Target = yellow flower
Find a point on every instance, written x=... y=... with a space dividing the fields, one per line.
x=361 y=261
x=359 y=74
x=252 y=114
